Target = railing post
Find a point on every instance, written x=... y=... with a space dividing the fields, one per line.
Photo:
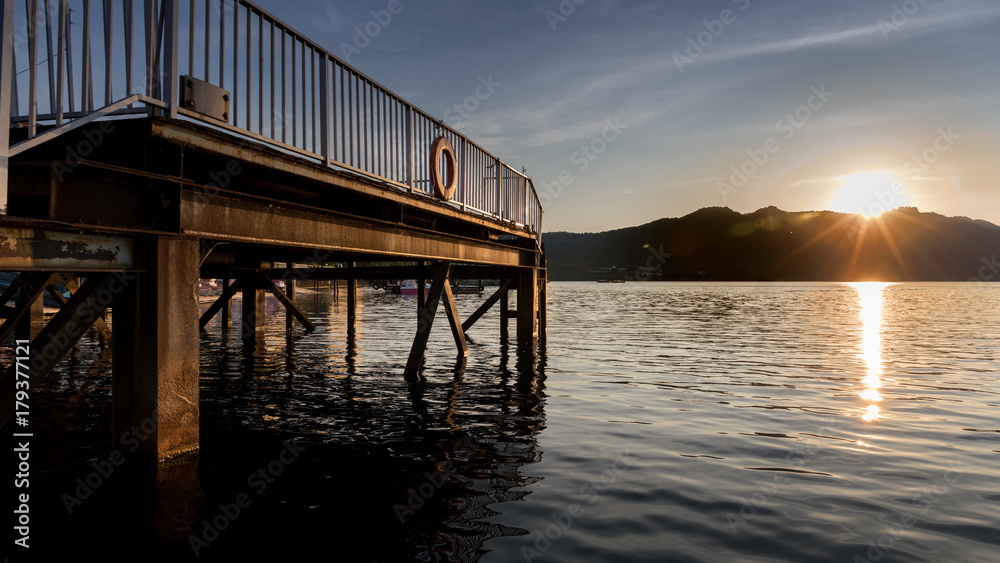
x=6 y=66
x=170 y=82
x=324 y=107
x=496 y=168
x=32 y=6
x=152 y=41
x=410 y=150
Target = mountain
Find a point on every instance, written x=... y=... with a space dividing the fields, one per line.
x=717 y=243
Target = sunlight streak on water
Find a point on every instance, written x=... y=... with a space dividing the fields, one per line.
x=871 y=294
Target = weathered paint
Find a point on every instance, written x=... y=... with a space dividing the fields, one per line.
x=28 y=249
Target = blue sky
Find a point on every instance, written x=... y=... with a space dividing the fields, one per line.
x=649 y=109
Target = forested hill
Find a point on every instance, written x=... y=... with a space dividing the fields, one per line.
x=718 y=243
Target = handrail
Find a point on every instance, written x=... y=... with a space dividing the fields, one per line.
x=284 y=90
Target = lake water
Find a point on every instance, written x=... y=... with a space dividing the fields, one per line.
x=660 y=422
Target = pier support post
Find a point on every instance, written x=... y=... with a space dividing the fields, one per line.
x=527 y=307
x=289 y=315
x=227 y=310
x=34 y=319
x=426 y=320
x=421 y=294
x=352 y=300
x=504 y=307
x=155 y=346
x=254 y=316
x=543 y=289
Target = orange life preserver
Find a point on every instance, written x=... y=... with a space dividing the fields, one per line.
x=443 y=146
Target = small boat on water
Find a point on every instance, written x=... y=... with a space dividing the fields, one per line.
x=208 y=288
x=408 y=287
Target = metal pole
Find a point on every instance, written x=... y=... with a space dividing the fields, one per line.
x=32 y=9
x=169 y=83
x=6 y=65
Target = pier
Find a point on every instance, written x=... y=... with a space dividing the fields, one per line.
x=151 y=145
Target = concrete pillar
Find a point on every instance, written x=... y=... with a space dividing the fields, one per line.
x=527 y=307
x=155 y=346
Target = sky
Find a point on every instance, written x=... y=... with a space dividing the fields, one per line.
x=627 y=111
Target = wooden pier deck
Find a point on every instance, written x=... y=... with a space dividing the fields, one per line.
x=302 y=169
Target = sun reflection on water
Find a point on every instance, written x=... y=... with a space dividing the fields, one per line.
x=870 y=295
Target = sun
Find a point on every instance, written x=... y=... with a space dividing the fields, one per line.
x=868 y=193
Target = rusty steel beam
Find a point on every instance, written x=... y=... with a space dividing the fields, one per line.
x=248 y=222
x=30 y=249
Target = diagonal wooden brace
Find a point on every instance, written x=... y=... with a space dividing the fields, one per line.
x=33 y=288
x=426 y=320
x=269 y=285
x=219 y=303
x=485 y=306
x=56 y=339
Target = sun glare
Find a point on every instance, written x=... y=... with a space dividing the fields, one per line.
x=868 y=193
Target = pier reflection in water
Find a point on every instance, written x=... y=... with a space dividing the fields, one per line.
x=320 y=437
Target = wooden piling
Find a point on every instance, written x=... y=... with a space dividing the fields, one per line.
x=504 y=310
x=527 y=307
x=289 y=314
x=425 y=321
x=543 y=288
x=352 y=301
x=253 y=317
x=227 y=309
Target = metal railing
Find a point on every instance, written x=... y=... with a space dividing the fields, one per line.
x=284 y=90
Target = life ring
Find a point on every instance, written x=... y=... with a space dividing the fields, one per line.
x=443 y=146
